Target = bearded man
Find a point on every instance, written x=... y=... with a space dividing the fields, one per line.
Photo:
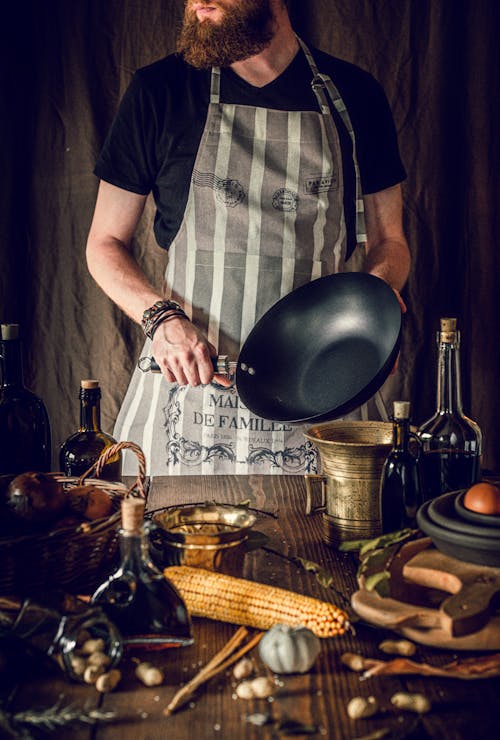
x=271 y=164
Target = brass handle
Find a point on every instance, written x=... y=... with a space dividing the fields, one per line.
x=310 y=479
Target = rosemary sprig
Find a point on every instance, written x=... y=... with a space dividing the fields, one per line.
x=18 y=724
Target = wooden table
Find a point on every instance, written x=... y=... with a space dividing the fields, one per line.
x=461 y=709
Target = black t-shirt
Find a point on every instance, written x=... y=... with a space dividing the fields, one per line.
x=154 y=139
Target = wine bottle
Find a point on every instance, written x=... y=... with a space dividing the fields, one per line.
x=24 y=422
x=144 y=605
x=81 y=450
x=451 y=442
x=400 y=484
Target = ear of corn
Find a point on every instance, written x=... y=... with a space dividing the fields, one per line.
x=240 y=601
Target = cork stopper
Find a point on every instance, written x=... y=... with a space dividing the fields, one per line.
x=448 y=325
x=402 y=409
x=9 y=331
x=449 y=333
x=89 y=384
x=132 y=514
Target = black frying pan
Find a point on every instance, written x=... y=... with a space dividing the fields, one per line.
x=321 y=351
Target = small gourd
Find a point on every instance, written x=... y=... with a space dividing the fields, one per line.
x=286 y=649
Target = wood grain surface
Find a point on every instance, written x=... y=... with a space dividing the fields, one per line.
x=460 y=709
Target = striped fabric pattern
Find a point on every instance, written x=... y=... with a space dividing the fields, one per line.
x=264 y=216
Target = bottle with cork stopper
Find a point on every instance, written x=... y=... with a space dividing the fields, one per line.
x=400 y=484
x=451 y=441
x=81 y=449
x=137 y=597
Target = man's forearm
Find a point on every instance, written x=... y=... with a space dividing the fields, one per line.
x=390 y=260
x=116 y=271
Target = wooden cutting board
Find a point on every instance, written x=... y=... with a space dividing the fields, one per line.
x=436 y=600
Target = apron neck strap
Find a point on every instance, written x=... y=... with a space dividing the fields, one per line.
x=321 y=83
x=215 y=86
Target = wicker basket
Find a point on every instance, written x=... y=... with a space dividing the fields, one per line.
x=75 y=558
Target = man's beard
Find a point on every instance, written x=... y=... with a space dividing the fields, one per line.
x=244 y=31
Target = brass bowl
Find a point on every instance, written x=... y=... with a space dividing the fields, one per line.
x=210 y=536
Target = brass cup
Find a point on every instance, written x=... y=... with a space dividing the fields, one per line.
x=352 y=455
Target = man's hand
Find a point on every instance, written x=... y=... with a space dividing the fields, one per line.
x=400 y=300
x=184 y=354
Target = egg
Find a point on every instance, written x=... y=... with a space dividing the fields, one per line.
x=483 y=498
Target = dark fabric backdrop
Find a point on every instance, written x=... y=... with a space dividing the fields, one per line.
x=66 y=65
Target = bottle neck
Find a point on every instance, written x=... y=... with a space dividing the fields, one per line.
x=11 y=362
x=449 y=391
x=134 y=549
x=400 y=435
x=90 y=410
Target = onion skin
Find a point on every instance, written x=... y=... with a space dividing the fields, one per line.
x=35 y=499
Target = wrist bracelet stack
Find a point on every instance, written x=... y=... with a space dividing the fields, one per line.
x=158 y=313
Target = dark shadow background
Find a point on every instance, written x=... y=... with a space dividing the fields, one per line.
x=66 y=64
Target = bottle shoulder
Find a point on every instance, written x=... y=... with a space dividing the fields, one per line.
x=20 y=394
x=449 y=426
x=97 y=439
x=24 y=408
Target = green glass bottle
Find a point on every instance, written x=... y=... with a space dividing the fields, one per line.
x=81 y=450
x=24 y=421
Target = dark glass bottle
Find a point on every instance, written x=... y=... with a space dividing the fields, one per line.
x=56 y=625
x=451 y=442
x=144 y=605
x=24 y=422
x=80 y=451
x=400 y=485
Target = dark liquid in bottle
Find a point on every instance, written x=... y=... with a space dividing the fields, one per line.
x=400 y=495
x=81 y=451
x=147 y=610
x=448 y=470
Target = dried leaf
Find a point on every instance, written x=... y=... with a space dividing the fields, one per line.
x=255 y=540
x=352 y=545
x=379 y=582
x=485 y=666
x=323 y=577
x=375 y=561
x=386 y=540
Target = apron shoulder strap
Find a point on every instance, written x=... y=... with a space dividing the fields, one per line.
x=215 y=86
x=320 y=83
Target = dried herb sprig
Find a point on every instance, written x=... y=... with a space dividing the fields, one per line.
x=18 y=724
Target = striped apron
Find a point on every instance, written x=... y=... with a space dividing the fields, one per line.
x=264 y=215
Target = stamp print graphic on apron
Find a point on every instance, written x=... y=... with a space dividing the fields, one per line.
x=265 y=214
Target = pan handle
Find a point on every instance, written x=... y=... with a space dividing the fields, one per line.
x=311 y=478
x=221 y=364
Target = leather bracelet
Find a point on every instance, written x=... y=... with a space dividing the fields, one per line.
x=160 y=318
x=151 y=316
